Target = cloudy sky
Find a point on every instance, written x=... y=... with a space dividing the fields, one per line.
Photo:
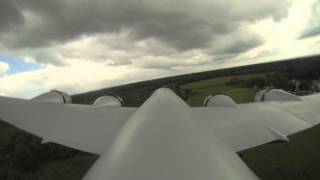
x=82 y=45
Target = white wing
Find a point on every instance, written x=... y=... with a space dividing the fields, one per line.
x=249 y=125
x=164 y=137
x=93 y=129
x=88 y=128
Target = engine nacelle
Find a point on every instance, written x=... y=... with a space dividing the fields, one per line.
x=54 y=96
x=219 y=100
x=113 y=101
x=275 y=95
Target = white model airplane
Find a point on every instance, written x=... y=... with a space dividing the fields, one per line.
x=164 y=139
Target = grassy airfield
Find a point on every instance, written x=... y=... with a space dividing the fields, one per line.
x=202 y=89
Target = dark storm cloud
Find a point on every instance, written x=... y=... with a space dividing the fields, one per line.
x=243 y=46
x=182 y=24
x=9 y=15
x=240 y=46
x=222 y=57
x=61 y=21
x=240 y=40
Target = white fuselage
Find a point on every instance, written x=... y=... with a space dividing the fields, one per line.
x=164 y=141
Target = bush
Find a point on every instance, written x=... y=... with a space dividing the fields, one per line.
x=21 y=153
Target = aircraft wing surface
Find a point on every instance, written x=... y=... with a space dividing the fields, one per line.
x=165 y=138
x=83 y=127
x=92 y=129
x=252 y=124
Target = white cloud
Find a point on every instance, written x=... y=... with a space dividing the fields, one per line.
x=287 y=29
x=74 y=79
x=4 y=67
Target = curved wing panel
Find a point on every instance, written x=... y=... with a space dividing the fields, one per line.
x=82 y=127
x=253 y=124
x=307 y=109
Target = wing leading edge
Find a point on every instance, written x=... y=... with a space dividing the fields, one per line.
x=93 y=128
x=87 y=128
x=249 y=125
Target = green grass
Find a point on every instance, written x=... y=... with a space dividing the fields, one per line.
x=239 y=95
x=7 y=130
x=209 y=83
x=72 y=168
x=204 y=88
x=69 y=169
x=294 y=160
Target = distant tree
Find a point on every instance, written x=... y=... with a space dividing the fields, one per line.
x=306 y=84
x=235 y=81
x=186 y=93
x=279 y=80
x=259 y=82
x=21 y=154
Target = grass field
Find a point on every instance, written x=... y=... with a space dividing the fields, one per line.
x=202 y=89
x=69 y=169
x=298 y=159
x=209 y=83
x=239 y=95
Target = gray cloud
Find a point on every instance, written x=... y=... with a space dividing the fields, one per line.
x=313 y=29
x=240 y=40
x=222 y=57
x=10 y=16
x=164 y=27
x=242 y=46
x=172 y=62
x=48 y=58
x=181 y=24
